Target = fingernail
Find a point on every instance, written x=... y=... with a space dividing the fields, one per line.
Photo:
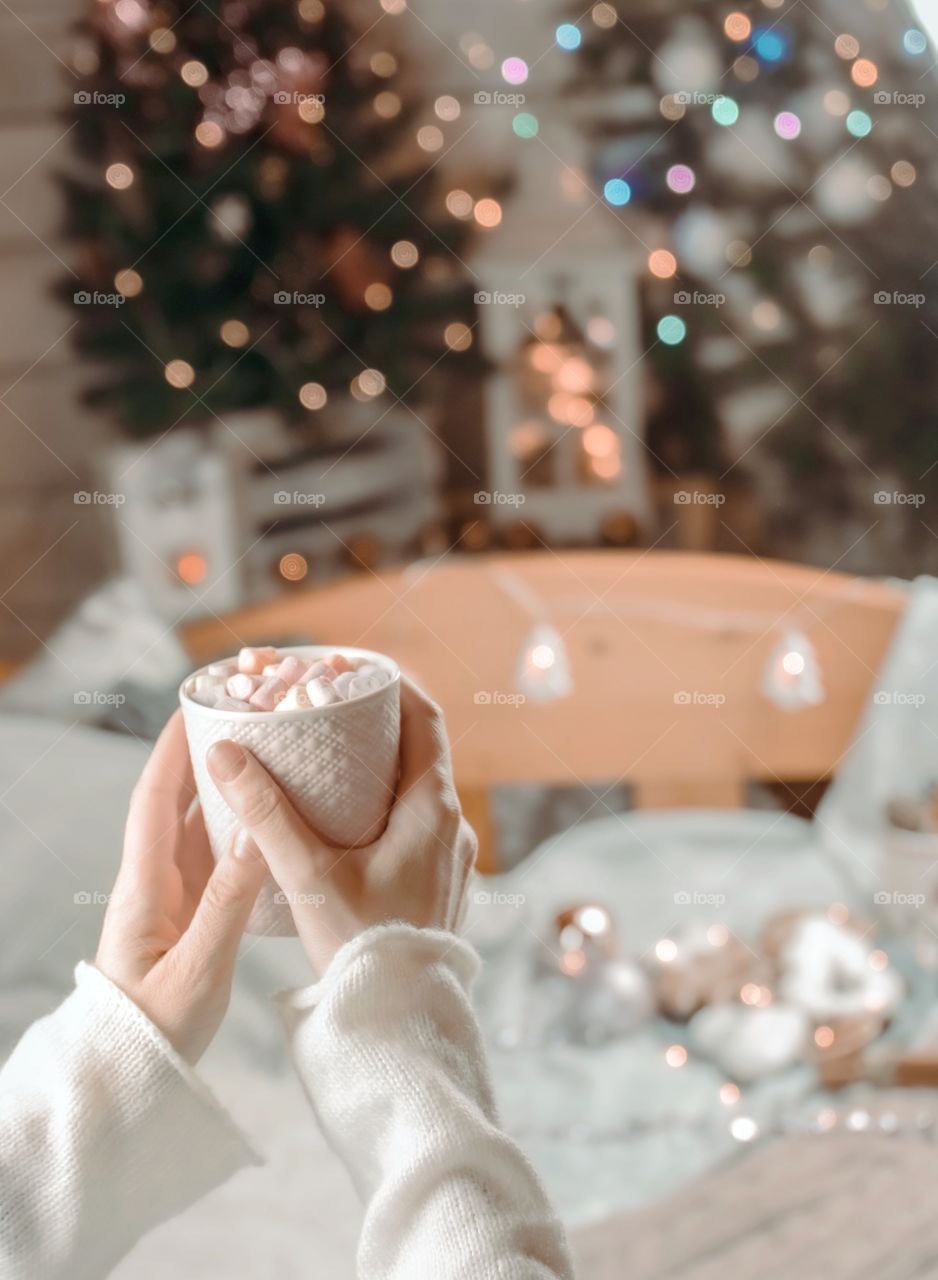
x=226 y=760
x=245 y=848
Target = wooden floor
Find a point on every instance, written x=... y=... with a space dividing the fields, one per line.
x=835 y=1207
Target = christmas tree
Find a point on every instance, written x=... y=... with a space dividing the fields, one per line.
x=774 y=160
x=254 y=213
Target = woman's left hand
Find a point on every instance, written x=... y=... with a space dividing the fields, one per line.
x=173 y=924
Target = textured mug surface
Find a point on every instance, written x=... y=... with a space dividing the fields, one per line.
x=338 y=764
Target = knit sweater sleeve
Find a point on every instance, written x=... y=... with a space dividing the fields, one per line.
x=390 y=1055
x=104 y=1132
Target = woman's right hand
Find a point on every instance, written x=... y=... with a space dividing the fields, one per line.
x=416 y=872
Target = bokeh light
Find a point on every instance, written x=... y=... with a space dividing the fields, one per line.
x=488 y=213
x=312 y=395
x=662 y=263
x=914 y=42
x=458 y=337
x=293 y=566
x=836 y=102
x=387 y=105
x=130 y=282
x=787 y=125
x=725 y=111
x=903 y=173
x=846 y=47
x=194 y=73
x=604 y=15
x=770 y=45
x=525 y=125
x=447 y=108
x=119 y=176
x=378 y=297
x=179 y=374
x=680 y=178
x=864 y=73
x=459 y=203
x=515 y=70
x=672 y=330
x=737 y=27
x=430 y=138
x=209 y=133
x=568 y=36
x=383 y=64
x=617 y=192
x=859 y=124
x=234 y=333
x=405 y=254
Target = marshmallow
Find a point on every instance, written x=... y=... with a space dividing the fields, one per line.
x=253 y=661
x=361 y=684
x=319 y=669
x=266 y=697
x=321 y=693
x=296 y=699
x=291 y=668
x=342 y=682
x=225 y=703
x=263 y=679
x=242 y=685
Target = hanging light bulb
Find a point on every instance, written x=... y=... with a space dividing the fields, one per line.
x=792 y=678
x=543 y=667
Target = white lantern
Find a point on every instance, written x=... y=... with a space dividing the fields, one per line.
x=559 y=320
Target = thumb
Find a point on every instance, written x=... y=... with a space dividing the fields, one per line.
x=212 y=938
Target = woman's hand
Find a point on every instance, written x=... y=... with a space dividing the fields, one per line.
x=174 y=921
x=415 y=872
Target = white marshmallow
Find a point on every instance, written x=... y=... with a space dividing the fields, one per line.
x=342 y=681
x=360 y=684
x=225 y=703
x=321 y=693
x=295 y=699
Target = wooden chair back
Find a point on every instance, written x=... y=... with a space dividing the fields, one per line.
x=668 y=653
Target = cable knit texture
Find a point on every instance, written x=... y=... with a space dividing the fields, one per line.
x=104 y=1132
x=390 y=1055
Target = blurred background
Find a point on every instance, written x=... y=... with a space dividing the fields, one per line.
x=583 y=358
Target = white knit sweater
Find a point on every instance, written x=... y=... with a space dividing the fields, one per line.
x=105 y=1131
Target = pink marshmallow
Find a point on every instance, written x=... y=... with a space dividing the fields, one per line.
x=319 y=670
x=242 y=686
x=267 y=695
x=291 y=669
x=339 y=663
x=253 y=661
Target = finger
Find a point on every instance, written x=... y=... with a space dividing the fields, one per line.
x=159 y=803
x=424 y=745
x=289 y=846
x=210 y=944
x=194 y=858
